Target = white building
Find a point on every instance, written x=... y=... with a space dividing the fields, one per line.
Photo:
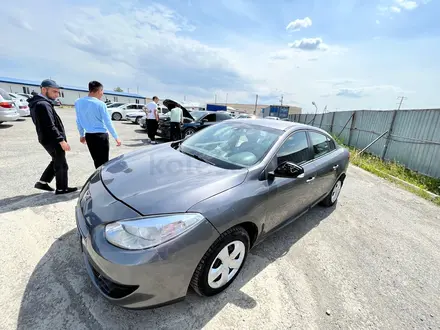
x=68 y=94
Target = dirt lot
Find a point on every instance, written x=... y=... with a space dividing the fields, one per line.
x=371 y=262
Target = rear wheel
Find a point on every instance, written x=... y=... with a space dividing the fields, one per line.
x=188 y=132
x=332 y=197
x=116 y=116
x=222 y=262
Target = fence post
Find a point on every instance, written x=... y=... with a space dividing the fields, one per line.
x=320 y=124
x=352 y=127
x=387 y=140
x=333 y=120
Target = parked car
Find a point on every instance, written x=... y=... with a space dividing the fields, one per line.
x=8 y=111
x=27 y=96
x=136 y=117
x=193 y=122
x=21 y=105
x=231 y=185
x=121 y=112
x=272 y=117
x=246 y=116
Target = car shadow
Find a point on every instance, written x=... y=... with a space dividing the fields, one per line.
x=39 y=199
x=59 y=293
x=143 y=142
x=141 y=131
x=4 y=126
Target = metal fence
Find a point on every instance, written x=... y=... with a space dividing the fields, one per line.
x=409 y=137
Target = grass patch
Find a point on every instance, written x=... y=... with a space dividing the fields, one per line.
x=376 y=166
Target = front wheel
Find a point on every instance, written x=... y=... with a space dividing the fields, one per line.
x=116 y=116
x=332 y=197
x=221 y=263
x=138 y=120
x=189 y=132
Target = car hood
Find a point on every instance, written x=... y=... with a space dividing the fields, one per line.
x=170 y=104
x=160 y=179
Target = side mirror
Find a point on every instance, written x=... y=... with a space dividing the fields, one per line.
x=289 y=170
x=204 y=120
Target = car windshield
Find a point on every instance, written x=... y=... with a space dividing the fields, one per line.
x=231 y=145
x=115 y=105
x=5 y=95
x=197 y=114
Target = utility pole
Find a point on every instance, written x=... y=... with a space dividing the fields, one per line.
x=256 y=101
x=281 y=100
x=390 y=130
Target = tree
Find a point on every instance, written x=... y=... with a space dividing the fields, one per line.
x=118 y=89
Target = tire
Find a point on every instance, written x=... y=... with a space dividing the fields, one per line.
x=188 y=132
x=332 y=197
x=236 y=238
x=116 y=116
x=137 y=120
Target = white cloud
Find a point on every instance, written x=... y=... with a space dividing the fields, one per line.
x=299 y=24
x=407 y=4
x=377 y=22
x=309 y=44
x=398 y=5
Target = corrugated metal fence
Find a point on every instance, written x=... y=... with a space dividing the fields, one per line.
x=411 y=137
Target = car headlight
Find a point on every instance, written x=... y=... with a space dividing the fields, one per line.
x=147 y=232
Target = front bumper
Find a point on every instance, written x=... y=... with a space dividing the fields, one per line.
x=146 y=278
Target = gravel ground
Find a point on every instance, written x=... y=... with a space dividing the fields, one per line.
x=373 y=261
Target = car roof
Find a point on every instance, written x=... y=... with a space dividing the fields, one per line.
x=276 y=124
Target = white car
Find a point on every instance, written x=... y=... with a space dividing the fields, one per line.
x=272 y=117
x=136 y=117
x=21 y=105
x=120 y=112
x=8 y=111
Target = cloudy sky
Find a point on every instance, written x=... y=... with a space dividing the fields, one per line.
x=346 y=54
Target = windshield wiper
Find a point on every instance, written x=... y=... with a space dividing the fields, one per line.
x=196 y=157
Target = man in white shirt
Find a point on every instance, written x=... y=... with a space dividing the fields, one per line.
x=152 y=120
x=176 y=119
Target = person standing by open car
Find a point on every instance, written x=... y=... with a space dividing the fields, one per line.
x=152 y=119
x=52 y=137
x=176 y=120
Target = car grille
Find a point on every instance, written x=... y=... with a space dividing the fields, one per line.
x=110 y=288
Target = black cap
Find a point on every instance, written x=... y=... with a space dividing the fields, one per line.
x=49 y=83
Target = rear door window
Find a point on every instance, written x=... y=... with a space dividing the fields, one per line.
x=321 y=144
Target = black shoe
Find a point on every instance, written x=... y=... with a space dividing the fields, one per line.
x=43 y=186
x=66 y=191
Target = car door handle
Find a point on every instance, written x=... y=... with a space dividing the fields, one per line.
x=335 y=167
x=310 y=179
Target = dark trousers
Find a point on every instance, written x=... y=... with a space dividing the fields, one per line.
x=57 y=168
x=175 y=133
x=99 y=147
x=152 y=128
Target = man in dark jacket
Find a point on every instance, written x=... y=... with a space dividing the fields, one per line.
x=52 y=137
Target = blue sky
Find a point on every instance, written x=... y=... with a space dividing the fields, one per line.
x=346 y=54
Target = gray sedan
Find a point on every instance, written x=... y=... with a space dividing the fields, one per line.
x=158 y=220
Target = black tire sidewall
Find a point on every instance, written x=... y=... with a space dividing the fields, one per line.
x=203 y=280
x=189 y=130
x=116 y=116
